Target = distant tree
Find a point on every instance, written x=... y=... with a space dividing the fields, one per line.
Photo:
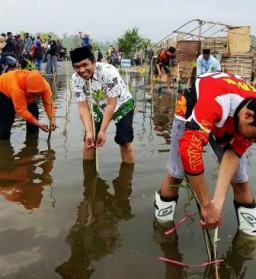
x=130 y=42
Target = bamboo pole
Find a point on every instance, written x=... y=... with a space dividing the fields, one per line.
x=54 y=88
x=206 y=233
x=93 y=127
x=215 y=240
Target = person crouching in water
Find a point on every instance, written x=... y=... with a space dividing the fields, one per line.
x=19 y=91
x=111 y=101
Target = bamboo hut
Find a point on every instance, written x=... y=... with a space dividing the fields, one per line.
x=233 y=46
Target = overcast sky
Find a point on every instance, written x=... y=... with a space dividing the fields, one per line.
x=109 y=19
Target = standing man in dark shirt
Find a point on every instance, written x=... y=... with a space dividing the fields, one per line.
x=99 y=56
x=10 y=44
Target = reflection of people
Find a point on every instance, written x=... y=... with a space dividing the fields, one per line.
x=169 y=246
x=111 y=100
x=95 y=235
x=206 y=63
x=161 y=116
x=228 y=121
x=241 y=250
x=23 y=175
x=19 y=91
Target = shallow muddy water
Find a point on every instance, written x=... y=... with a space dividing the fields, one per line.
x=61 y=220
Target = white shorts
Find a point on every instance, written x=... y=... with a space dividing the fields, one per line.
x=174 y=165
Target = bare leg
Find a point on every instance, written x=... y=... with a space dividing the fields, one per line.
x=166 y=189
x=168 y=82
x=152 y=89
x=127 y=152
x=242 y=192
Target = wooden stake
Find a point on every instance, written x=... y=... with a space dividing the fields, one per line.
x=93 y=126
x=206 y=233
x=54 y=87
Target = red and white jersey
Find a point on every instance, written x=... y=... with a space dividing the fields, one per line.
x=217 y=97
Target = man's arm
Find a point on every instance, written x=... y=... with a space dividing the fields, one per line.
x=211 y=210
x=85 y=115
x=208 y=212
x=214 y=65
x=228 y=167
x=191 y=150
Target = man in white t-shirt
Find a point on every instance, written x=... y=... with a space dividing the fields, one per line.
x=111 y=99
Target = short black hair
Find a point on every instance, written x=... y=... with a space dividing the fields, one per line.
x=251 y=105
x=171 y=49
x=81 y=53
x=206 y=51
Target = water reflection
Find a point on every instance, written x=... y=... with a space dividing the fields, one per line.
x=169 y=247
x=163 y=114
x=95 y=232
x=240 y=251
x=24 y=175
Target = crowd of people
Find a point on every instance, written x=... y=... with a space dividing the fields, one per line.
x=26 y=51
x=228 y=122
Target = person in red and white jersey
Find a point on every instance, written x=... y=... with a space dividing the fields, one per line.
x=220 y=108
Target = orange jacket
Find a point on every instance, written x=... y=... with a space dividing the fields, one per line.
x=17 y=84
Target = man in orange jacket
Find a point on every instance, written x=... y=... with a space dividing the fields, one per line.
x=19 y=91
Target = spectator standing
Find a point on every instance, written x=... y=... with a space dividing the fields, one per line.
x=99 y=56
x=38 y=55
x=18 y=47
x=6 y=59
x=150 y=54
x=52 y=55
x=28 y=43
x=109 y=52
x=10 y=44
x=85 y=38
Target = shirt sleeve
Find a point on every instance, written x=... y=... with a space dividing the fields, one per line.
x=191 y=147
x=78 y=88
x=239 y=145
x=20 y=105
x=48 y=101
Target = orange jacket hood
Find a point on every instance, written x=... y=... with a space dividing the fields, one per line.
x=31 y=82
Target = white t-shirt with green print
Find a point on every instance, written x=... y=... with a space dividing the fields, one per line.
x=106 y=82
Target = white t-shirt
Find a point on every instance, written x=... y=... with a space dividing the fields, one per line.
x=106 y=82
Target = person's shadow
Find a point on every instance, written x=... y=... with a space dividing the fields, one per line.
x=24 y=175
x=95 y=232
